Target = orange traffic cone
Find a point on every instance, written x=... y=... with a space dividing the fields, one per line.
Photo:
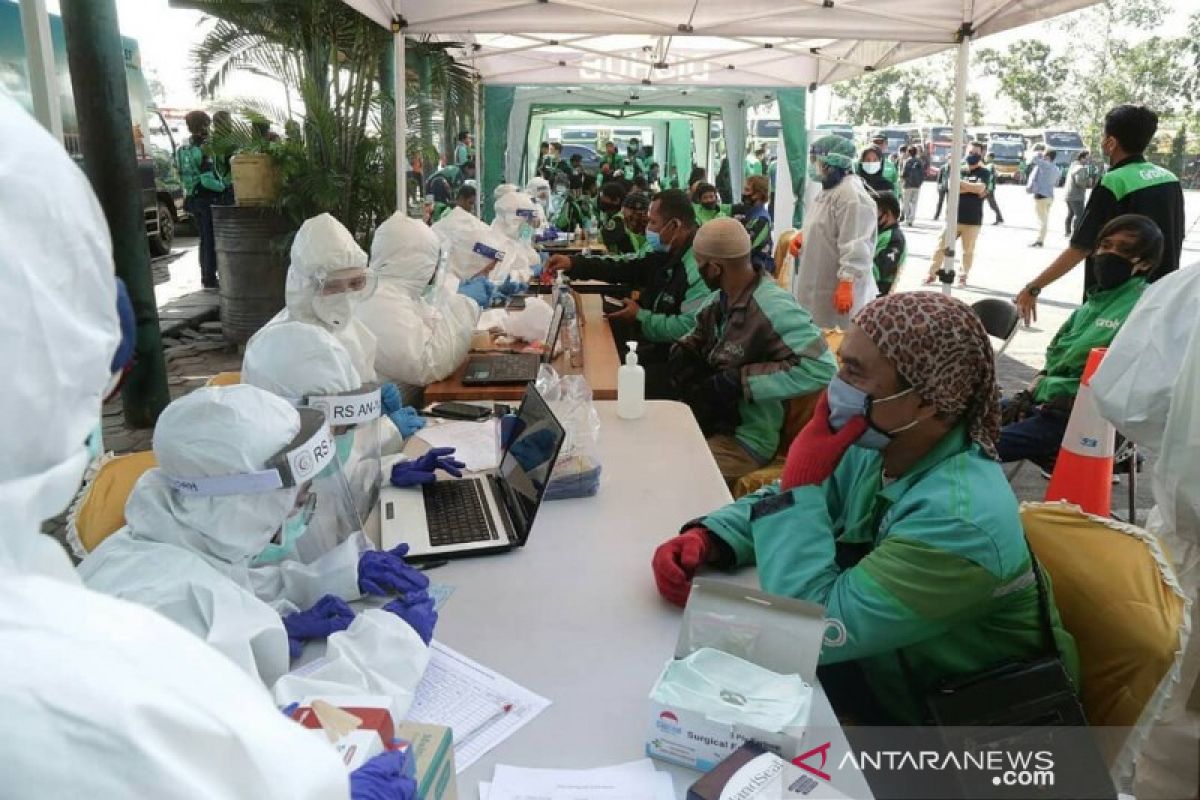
x=1083 y=472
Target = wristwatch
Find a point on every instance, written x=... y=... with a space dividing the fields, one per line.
x=1034 y=291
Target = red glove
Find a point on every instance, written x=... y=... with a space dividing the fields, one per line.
x=817 y=449
x=676 y=561
x=843 y=297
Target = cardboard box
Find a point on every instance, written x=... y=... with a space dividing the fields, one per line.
x=431 y=751
x=777 y=633
x=753 y=773
x=374 y=733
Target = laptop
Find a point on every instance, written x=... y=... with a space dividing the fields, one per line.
x=502 y=368
x=488 y=513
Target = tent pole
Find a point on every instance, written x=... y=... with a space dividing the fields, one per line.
x=955 y=159
x=43 y=76
x=400 y=75
x=478 y=125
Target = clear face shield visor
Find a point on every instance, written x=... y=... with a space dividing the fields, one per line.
x=355 y=419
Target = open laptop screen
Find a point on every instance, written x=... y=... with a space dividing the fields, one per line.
x=529 y=458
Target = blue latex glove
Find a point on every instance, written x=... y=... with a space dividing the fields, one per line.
x=389 y=394
x=407 y=420
x=385 y=573
x=418 y=611
x=416 y=471
x=480 y=289
x=383 y=778
x=327 y=616
x=511 y=287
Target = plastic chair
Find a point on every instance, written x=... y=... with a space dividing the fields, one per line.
x=231 y=378
x=1000 y=319
x=1119 y=598
x=99 y=510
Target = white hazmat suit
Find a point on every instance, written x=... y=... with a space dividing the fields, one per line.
x=102 y=698
x=323 y=247
x=1148 y=386
x=516 y=216
x=840 y=227
x=187 y=555
x=419 y=340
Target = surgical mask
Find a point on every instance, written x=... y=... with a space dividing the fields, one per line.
x=815 y=173
x=1111 y=269
x=973 y=159
x=560 y=190
x=95 y=442
x=731 y=690
x=871 y=167
x=345 y=446
x=847 y=402
x=526 y=233
x=654 y=239
x=833 y=176
x=335 y=310
x=289 y=533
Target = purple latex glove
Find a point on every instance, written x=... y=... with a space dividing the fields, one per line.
x=385 y=573
x=417 y=610
x=327 y=616
x=416 y=471
x=383 y=778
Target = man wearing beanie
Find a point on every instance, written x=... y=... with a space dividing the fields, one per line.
x=753 y=349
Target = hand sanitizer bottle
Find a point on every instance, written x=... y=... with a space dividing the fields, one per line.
x=631 y=386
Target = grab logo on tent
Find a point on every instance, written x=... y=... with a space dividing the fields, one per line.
x=633 y=65
x=669 y=723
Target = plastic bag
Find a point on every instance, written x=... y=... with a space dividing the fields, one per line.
x=577 y=470
x=1135 y=381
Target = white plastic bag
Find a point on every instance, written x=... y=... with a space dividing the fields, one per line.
x=531 y=323
x=577 y=470
x=1134 y=384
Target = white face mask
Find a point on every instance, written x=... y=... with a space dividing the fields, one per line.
x=334 y=310
x=871 y=167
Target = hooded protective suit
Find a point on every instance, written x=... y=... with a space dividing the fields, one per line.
x=188 y=556
x=322 y=247
x=302 y=363
x=539 y=190
x=839 y=245
x=1148 y=386
x=419 y=341
x=516 y=216
x=78 y=721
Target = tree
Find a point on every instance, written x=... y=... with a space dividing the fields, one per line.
x=1178 y=162
x=1031 y=76
x=868 y=99
x=1190 y=59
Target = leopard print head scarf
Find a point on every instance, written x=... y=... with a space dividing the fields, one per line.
x=940 y=348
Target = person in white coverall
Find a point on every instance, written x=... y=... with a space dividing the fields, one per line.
x=305 y=365
x=102 y=698
x=539 y=189
x=516 y=216
x=835 y=276
x=1148 y=386
x=196 y=522
x=423 y=330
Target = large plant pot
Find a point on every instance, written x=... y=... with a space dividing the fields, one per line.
x=252 y=266
x=256 y=179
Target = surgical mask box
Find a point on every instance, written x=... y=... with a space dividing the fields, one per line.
x=431 y=750
x=373 y=733
x=754 y=773
x=779 y=634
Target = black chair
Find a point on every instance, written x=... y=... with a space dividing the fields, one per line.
x=1000 y=319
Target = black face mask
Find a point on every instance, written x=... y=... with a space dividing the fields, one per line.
x=710 y=206
x=1111 y=269
x=747 y=199
x=610 y=207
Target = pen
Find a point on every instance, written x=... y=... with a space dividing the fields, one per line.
x=507 y=707
x=433 y=565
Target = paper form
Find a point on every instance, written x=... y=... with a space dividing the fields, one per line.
x=636 y=780
x=463 y=695
x=475 y=443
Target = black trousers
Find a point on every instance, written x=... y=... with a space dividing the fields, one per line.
x=200 y=207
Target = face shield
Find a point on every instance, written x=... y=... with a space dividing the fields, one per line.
x=337 y=294
x=355 y=420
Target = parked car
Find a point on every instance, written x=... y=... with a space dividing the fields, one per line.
x=591 y=159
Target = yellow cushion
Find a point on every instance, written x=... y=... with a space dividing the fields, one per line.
x=764 y=476
x=225 y=379
x=1115 y=599
x=101 y=510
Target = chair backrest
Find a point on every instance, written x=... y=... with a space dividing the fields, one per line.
x=800 y=409
x=1000 y=319
x=1119 y=598
x=231 y=378
x=100 y=510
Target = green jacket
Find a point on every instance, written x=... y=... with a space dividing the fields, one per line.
x=891 y=249
x=704 y=215
x=199 y=169
x=576 y=211
x=618 y=239
x=752 y=167
x=462 y=154
x=658 y=324
x=615 y=163
x=1094 y=324
x=891 y=175
x=946 y=574
x=777 y=350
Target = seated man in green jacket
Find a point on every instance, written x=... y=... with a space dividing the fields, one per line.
x=753 y=349
x=625 y=232
x=1128 y=248
x=894 y=515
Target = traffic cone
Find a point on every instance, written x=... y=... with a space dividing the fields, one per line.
x=1083 y=472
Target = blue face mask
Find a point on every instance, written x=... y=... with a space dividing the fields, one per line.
x=292 y=529
x=655 y=241
x=847 y=402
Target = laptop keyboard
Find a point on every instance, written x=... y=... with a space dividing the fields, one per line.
x=507 y=368
x=456 y=513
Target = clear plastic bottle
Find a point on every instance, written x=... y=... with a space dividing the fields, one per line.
x=570 y=321
x=631 y=386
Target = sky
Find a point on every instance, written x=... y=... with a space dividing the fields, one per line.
x=166 y=36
